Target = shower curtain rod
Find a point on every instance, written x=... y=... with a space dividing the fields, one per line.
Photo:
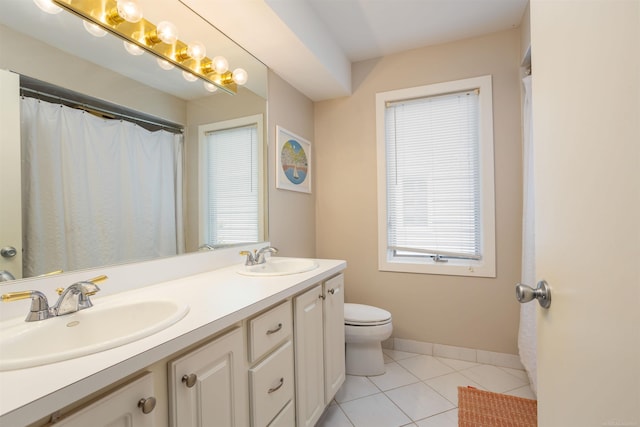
x=91 y=108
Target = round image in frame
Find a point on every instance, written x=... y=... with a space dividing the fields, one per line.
x=294 y=161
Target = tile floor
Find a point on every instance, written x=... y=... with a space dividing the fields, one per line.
x=417 y=390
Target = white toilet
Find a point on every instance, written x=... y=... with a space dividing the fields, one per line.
x=365 y=327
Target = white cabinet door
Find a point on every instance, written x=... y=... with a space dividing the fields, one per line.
x=117 y=409
x=309 y=367
x=334 y=351
x=208 y=386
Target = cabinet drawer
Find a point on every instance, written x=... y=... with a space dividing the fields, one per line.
x=268 y=330
x=286 y=417
x=271 y=384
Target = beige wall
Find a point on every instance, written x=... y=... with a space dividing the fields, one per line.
x=292 y=215
x=477 y=313
x=62 y=69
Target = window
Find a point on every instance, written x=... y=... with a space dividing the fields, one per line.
x=435 y=179
x=230 y=182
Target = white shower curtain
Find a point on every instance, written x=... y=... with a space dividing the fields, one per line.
x=96 y=191
x=527 y=334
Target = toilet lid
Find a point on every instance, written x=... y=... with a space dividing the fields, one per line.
x=360 y=314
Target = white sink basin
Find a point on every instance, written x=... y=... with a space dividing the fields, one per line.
x=28 y=344
x=279 y=267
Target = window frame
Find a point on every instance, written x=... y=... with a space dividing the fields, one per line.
x=203 y=130
x=486 y=266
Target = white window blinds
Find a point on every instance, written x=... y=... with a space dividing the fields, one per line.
x=232 y=210
x=433 y=176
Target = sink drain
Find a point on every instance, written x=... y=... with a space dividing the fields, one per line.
x=72 y=324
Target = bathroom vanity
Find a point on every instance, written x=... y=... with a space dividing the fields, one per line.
x=260 y=350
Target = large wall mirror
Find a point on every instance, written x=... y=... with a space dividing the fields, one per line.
x=57 y=58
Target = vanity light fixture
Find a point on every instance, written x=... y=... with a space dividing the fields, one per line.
x=123 y=18
x=48 y=6
x=189 y=77
x=93 y=29
x=164 y=64
x=133 y=49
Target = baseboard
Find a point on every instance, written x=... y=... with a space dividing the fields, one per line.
x=504 y=360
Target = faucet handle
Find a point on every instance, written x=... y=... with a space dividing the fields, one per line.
x=251 y=260
x=95 y=281
x=39 y=305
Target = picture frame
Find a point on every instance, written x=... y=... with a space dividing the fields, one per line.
x=293 y=161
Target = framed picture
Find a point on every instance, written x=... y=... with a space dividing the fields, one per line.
x=293 y=161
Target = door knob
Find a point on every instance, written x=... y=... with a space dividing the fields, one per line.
x=8 y=252
x=542 y=293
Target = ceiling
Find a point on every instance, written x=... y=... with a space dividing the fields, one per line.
x=312 y=43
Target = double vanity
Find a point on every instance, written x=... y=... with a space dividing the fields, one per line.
x=235 y=345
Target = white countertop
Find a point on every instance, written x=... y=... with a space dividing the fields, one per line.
x=217 y=300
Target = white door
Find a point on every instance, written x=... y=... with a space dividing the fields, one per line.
x=586 y=133
x=10 y=178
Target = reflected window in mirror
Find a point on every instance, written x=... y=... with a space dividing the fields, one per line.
x=231 y=181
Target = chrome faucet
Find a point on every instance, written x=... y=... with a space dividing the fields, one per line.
x=75 y=297
x=258 y=256
x=72 y=299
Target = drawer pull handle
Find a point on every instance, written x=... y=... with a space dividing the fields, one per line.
x=190 y=380
x=147 y=405
x=273 y=331
x=276 y=388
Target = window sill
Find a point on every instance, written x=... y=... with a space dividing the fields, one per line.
x=450 y=268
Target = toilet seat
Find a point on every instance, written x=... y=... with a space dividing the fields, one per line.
x=365 y=315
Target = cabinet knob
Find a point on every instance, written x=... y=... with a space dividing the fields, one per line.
x=190 y=380
x=321 y=296
x=147 y=405
x=332 y=291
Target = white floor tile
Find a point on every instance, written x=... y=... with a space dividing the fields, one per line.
x=386 y=358
x=374 y=411
x=447 y=385
x=447 y=419
x=493 y=378
x=457 y=364
x=333 y=416
x=397 y=354
x=419 y=401
x=516 y=372
x=425 y=367
x=524 y=391
x=355 y=387
x=395 y=376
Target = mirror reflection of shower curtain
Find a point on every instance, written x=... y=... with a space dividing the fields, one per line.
x=96 y=191
x=527 y=340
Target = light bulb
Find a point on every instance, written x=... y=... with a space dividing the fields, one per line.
x=164 y=64
x=165 y=32
x=210 y=87
x=240 y=76
x=129 y=10
x=48 y=6
x=197 y=51
x=189 y=77
x=220 y=64
x=94 y=29
x=133 y=49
